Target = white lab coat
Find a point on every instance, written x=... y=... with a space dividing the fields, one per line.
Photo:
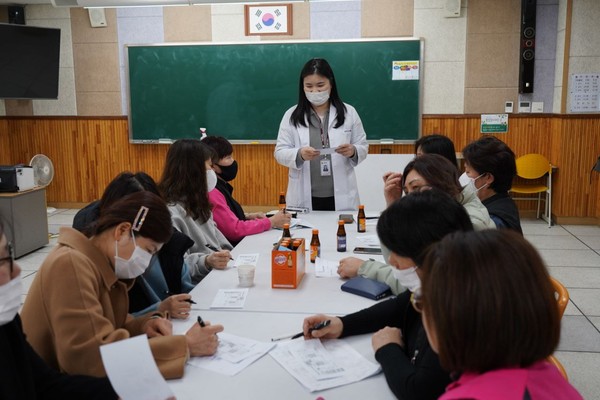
x=291 y=139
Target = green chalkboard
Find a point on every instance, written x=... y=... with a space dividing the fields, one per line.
x=241 y=91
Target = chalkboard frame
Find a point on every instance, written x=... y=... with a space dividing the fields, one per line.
x=139 y=139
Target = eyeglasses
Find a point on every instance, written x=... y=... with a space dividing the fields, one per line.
x=8 y=261
x=416 y=299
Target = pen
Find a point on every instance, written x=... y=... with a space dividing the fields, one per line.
x=201 y=322
x=318 y=326
x=213 y=248
x=190 y=301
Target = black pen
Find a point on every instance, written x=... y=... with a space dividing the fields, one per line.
x=201 y=322
x=190 y=301
x=318 y=326
x=213 y=248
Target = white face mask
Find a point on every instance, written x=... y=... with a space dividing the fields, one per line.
x=472 y=183
x=408 y=278
x=10 y=300
x=464 y=179
x=135 y=266
x=317 y=98
x=211 y=179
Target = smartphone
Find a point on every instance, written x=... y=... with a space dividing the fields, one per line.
x=367 y=250
x=347 y=218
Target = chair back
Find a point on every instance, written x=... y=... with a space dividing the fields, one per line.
x=533 y=166
x=562 y=296
x=554 y=361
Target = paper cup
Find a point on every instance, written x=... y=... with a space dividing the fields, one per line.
x=246 y=275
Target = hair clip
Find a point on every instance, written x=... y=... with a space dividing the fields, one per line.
x=140 y=218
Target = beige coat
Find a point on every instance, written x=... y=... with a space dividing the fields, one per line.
x=76 y=304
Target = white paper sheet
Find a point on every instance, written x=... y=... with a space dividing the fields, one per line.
x=230 y=298
x=233 y=354
x=132 y=370
x=326 y=268
x=341 y=363
x=369 y=241
x=247 y=259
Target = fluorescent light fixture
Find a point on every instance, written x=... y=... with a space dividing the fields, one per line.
x=160 y=3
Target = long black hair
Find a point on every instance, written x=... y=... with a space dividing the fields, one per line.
x=301 y=114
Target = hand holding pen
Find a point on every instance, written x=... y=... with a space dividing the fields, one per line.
x=333 y=330
x=178 y=305
x=202 y=338
x=319 y=326
x=219 y=258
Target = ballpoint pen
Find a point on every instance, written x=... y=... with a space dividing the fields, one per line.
x=318 y=326
x=190 y=301
x=213 y=248
x=201 y=322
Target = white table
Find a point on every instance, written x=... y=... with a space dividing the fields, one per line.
x=272 y=313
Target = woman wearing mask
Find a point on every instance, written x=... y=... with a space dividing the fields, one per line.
x=78 y=299
x=227 y=213
x=411 y=368
x=489 y=311
x=25 y=376
x=423 y=173
x=186 y=180
x=490 y=166
x=319 y=121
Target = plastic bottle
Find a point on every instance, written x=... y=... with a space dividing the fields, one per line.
x=341 y=237
x=315 y=246
x=282 y=201
x=361 y=219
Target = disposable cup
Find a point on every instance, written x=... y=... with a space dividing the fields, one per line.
x=246 y=275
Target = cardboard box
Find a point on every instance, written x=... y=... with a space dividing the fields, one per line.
x=287 y=267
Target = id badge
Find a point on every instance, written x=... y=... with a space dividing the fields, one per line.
x=326 y=167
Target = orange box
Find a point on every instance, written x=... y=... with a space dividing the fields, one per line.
x=287 y=267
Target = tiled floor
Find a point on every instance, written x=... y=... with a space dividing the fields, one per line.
x=572 y=253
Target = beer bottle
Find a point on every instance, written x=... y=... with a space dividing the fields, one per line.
x=296 y=244
x=281 y=201
x=341 y=237
x=361 y=219
x=286 y=232
x=315 y=246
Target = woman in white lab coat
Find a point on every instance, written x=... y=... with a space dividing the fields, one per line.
x=319 y=179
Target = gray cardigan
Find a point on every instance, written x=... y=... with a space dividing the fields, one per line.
x=202 y=234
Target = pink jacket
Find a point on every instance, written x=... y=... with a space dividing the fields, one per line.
x=230 y=226
x=542 y=380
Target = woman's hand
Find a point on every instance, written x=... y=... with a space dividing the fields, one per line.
x=385 y=336
x=256 y=215
x=218 y=259
x=203 y=341
x=333 y=331
x=349 y=266
x=346 y=149
x=308 y=153
x=392 y=189
x=279 y=219
x=158 y=327
x=177 y=306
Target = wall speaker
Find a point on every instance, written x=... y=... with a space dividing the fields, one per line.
x=97 y=17
x=16 y=15
x=527 y=54
x=452 y=9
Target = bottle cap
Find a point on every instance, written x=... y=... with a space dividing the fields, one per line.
x=361 y=206
x=340 y=222
x=315 y=231
x=286 y=226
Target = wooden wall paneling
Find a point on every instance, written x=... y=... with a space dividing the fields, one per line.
x=5 y=148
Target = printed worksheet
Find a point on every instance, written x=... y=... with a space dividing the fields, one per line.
x=230 y=298
x=247 y=259
x=326 y=268
x=320 y=365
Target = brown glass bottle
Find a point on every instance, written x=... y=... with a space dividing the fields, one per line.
x=286 y=232
x=315 y=246
x=282 y=201
x=361 y=219
x=341 y=237
x=296 y=244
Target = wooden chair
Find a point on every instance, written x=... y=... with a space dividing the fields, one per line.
x=532 y=167
x=562 y=299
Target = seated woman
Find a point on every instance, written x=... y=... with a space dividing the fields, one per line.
x=227 y=213
x=186 y=180
x=24 y=374
x=490 y=164
x=424 y=172
x=469 y=277
x=411 y=369
x=166 y=282
x=429 y=144
x=78 y=299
